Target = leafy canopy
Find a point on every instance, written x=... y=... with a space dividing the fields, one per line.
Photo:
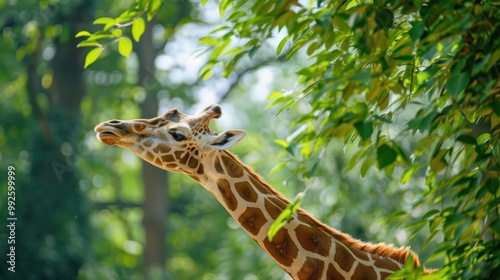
x=379 y=74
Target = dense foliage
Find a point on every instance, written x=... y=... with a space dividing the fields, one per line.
x=382 y=72
x=379 y=73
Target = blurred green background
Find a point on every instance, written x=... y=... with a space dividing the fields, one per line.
x=85 y=211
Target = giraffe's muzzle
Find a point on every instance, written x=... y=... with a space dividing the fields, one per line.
x=110 y=132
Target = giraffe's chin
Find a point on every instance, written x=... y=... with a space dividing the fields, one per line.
x=108 y=138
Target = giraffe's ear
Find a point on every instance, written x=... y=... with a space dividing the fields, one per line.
x=227 y=139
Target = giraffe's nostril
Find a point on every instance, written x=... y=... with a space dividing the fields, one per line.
x=114 y=122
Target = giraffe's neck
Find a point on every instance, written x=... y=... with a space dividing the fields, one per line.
x=304 y=247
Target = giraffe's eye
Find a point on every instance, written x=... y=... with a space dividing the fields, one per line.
x=178 y=136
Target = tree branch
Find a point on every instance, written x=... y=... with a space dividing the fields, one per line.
x=240 y=74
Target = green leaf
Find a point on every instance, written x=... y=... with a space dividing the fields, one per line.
x=104 y=20
x=408 y=173
x=385 y=156
x=253 y=51
x=456 y=84
x=236 y=15
x=219 y=49
x=365 y=166
x=88 y=43
x=207 y=74
x=417 y=30
x=384 y=18
x=277 y=167
x=423 y=145
x=206 y=68
x=229 y=67
x=418 y=3
x=138 y=28
x=125 y=46
x=82 y=34
x=360 y=110
x=401 y=153
x=107 y=21
x=430 y=213
x=154 y=7
x=117 y=33
x=438 y=162
x=92 y=56
x=207 y=40
x=362 y=76
x=395 y=217
x=467 y=139
x=223 y=6
x=492 y=185
x=483 y=138
x=285 y=216
x=281 y=45
x=101 y=35
x=299 y=43
x=364 y=128
x=282 y=143
x=354 y=159
x=409 y=264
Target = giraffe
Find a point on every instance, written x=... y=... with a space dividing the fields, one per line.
x=305 y=248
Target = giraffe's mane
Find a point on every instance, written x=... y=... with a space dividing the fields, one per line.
x=380 y=249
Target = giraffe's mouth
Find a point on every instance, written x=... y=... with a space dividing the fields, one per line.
x=108 y=138
x=107 y=135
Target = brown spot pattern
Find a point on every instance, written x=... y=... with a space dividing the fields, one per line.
x=384 y=275
x=282 y=249
x=246 y=191
x=178 y=154
x=271 y=208
x=168 y=158
x=139 y=127
x=200 y=169
x=313 y=240
x=333 y=274
x=360 y=254
x=162 y=148
x=227 y=194
x=148 y=143
x=384 y=262
x=192 y=162
x=259 y=186
x=343 y=257
x=172 y=165
x=218 y=166
x=311 y=270
x=363 y=272
x=150 y=157
x=252 y=220
x=184 y=159
x=233 y=169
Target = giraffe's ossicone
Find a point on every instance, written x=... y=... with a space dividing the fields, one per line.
x=305 y=248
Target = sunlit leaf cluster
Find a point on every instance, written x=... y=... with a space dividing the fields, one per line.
x=380 y=73
x=113 y=30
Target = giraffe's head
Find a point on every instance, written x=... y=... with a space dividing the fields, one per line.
x=173 y=141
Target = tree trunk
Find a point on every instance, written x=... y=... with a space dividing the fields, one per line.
x=154 y=179
x=52 y=230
